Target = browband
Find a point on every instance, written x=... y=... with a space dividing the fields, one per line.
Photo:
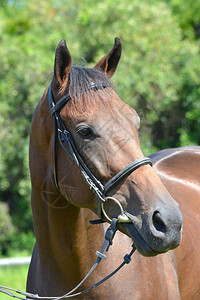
x=54 y=107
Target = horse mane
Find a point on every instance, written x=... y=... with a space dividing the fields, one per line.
x=82 y=96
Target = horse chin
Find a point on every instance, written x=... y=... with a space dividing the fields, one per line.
x=140 y=244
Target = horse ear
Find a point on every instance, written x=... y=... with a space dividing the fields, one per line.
x=63 y=62
x=109 y=62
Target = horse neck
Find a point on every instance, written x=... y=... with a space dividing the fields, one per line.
x=66 y=242
x=72 y=238
x=63 y=233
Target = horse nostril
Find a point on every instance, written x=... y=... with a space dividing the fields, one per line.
x=158 y=222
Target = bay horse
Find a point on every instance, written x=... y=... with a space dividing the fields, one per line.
x=80 y=126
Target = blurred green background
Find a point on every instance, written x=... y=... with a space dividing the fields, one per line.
x=158 y=75
x=13 y=277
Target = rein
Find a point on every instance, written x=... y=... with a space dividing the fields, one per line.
x=109 y=235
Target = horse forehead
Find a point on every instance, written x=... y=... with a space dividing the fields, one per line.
x=111 y=109
x=104 y=108
x=110 y=119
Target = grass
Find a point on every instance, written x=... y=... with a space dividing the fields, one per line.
x=13 y=277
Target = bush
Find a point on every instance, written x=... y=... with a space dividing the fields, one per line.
x=21 y=244
x=12 y=241
x=6 y=228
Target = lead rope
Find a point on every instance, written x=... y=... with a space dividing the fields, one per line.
x=109 y=235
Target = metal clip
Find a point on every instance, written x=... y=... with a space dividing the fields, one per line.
x=109 y=235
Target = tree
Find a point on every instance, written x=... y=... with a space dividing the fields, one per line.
x=188 y=16
x=158 y=74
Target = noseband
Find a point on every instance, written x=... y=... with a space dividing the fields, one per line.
x=67 y=143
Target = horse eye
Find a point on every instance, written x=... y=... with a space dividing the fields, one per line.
x=85 y=131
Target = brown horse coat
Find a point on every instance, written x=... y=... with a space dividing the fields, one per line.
x=65 y=241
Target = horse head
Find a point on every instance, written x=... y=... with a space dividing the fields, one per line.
x=105 y=134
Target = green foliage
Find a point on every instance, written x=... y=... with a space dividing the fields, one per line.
x=188 y=16
x=11 y=239
x=6 y=227
x=158 y=74
x=21 y=244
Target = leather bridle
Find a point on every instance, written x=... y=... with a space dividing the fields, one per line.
x=67 y=143
x=98 y=188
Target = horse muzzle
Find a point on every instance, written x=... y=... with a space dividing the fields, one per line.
x=155 y=233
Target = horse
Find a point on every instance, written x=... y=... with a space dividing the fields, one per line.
x=79 y=127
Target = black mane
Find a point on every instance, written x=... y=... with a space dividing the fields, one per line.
x=81 y=77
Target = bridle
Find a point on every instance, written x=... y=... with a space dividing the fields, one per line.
x=67 y=143
x=100 y=190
